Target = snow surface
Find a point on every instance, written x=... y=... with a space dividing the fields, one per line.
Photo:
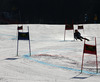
x=52 y=59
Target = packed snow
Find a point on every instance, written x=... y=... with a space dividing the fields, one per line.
x=52 y=59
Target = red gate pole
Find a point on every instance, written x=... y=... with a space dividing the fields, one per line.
x=96 y=65
x=83 y=28
x=96 y=57
x=64 y=34
x=73 y=33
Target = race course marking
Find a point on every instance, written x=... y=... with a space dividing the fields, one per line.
x=72 y=69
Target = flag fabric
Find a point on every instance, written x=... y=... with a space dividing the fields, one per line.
x=69 y=27
x=20 y=28
x=80 y=27
x=90 y=49
x=23 y=35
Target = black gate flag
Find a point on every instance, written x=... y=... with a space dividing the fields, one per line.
x=90 y=49
x=20 y=28
x=23 y=35
x=80 y=27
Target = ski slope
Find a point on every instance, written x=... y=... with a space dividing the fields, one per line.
x=52 y=59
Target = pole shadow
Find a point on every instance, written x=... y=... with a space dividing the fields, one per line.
x=81 y=77
x=11 y=58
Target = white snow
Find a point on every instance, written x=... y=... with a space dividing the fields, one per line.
x=52 y=59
